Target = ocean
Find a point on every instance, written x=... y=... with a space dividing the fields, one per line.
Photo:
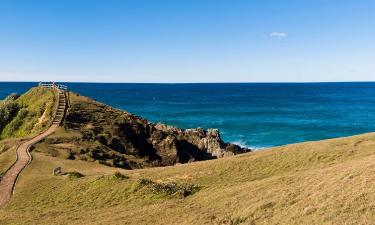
x=256 y=115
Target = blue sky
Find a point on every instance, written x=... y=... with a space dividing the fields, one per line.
x=187 y=40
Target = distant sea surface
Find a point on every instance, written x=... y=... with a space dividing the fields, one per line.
x=256 y=115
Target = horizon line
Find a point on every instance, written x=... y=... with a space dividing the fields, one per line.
x=234 y=82
x=273 y=82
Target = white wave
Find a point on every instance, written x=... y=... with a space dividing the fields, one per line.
x=243 y=144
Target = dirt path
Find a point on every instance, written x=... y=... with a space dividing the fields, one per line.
x=23 y=158
x=9 y=179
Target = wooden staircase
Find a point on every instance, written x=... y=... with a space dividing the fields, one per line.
x=61 y=107
x=63 y=101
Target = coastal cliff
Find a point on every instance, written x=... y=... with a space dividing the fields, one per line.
x=93 y=131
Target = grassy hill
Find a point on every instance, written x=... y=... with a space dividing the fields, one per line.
x=28 y=114
x=21 y=117
x=325 y=182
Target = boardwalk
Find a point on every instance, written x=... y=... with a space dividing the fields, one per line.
x=8 y=181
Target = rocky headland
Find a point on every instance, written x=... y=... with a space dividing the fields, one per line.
x=93 y=131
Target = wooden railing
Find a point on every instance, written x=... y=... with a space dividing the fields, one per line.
x=53 y=85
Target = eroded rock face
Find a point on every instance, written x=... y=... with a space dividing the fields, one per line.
x=209 y=141
x=118 y=138
x=192 y=144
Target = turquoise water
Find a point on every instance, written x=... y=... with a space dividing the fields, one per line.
x=254 y=115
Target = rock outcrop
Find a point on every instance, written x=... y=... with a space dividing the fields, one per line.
x=118 y=138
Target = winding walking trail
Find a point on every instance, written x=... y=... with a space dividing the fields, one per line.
x=9 y=179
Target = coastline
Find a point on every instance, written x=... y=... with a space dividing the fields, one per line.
x=253 y=115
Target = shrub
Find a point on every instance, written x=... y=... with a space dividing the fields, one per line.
x=144 y=182
x=12 y=97
x=74 y=175
x=168 y=188
x=23 y=113
x=13 y=126
x=119 y=176
x=8 y=110
x=234 y=220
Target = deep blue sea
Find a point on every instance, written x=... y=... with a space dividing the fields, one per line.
x=250 y=114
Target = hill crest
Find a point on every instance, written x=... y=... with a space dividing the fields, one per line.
x=93 y=131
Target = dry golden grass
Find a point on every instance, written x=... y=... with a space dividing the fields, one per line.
x=7 y=153
x=327 y=182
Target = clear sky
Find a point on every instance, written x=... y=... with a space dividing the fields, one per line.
x=187 y=40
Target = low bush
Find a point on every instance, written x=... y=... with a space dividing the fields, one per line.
x=119 y=176
x=167 y=188
x=74 y=175
x=12 y=97
x=144 y=182
x=8 y=110
x=13 y=126
x=23 y=113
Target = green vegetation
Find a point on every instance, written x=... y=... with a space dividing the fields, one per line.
x=28 y=114
x=119 y=176
x=85 y=142
x=8 y=110
x=166 y=188
x=74 y=175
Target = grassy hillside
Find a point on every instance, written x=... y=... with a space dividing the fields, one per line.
x=27 y=114
x=23 y=116
x=326 y=182
x=96 y=132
